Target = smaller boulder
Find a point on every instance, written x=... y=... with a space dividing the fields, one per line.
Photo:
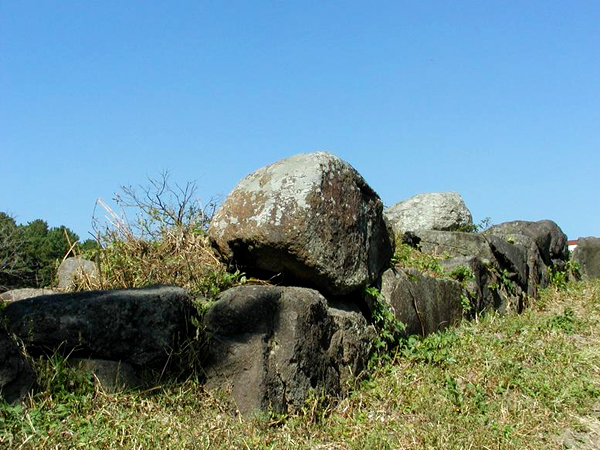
x=587 y=255
x=518 y=267
x=75 y=266
x=552 y=243
x=142 y=327
x=270 y=346
x=450 y=244
x=424 y=304
x=21 y=294
x=445 y=211
x=477 y=278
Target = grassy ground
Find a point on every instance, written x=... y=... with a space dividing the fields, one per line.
x=496 y=382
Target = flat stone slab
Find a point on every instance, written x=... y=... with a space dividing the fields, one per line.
x=137 y=326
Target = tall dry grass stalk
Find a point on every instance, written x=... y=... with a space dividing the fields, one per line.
x=166 y=244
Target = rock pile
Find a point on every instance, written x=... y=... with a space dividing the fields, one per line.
x=312 y=222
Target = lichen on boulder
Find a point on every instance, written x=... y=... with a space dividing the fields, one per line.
x=310 y=217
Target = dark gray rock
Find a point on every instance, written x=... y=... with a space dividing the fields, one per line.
x=137 y=326
x=511 y=258
x=444 y=211
x=587 y=255
x=17 y=377
x=552 y=243
x=21 y=294
x=537 y=271
x=480 y=286
x=424 y=304
x=75 y=266
x=518 y=265
x=311 y=217
x=113 y=376
x=271 y=345
x=450 y=244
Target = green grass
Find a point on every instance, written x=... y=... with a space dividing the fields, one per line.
x=406 y=257
x=507 y=382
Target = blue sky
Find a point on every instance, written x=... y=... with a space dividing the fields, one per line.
x=497 y=100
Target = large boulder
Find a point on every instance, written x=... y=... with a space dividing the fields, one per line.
x=445 y=211
x=311 y=217
x=552 y=243
x=138 y=326
x=270 y=346
x=587 y=255
x=423 y=303
x=73 y=267
x=17 y=377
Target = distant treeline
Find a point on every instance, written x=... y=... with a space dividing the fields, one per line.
x=30 y=254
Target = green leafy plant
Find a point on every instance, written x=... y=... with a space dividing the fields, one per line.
x=504 y=281
x=560 y=278
x=462 y=274
x=389 y=329
x=483 y=225
x=565 y=322
x=58 y=378
x=433 y=349
x=410 y=257
x=465 y=303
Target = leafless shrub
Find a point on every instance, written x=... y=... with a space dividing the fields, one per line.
x=166 y=242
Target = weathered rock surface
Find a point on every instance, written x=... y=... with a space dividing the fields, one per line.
x=537 y=271
x=445 y=211
x=271 y=345
x=72 y=266
x=23 y=293
x=16 y=375
x=113 y=376
x=552 y=243
x=423 y=303
x=516 y=269
x=137 y=326
x=311 y=217
x=587 y=255
x=449 y=244
x=479 y=285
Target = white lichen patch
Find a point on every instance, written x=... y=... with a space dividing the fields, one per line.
x=283 y=188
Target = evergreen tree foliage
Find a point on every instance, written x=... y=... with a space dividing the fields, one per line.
x=13 y=265
x=30 y=254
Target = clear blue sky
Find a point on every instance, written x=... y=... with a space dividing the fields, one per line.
x=497 y=100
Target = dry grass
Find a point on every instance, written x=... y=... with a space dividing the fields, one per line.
x=179 y=256
x=166 y=244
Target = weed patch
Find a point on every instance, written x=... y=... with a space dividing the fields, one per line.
x=409 y=257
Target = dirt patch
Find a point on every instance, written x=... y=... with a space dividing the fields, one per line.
x=587 y=436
